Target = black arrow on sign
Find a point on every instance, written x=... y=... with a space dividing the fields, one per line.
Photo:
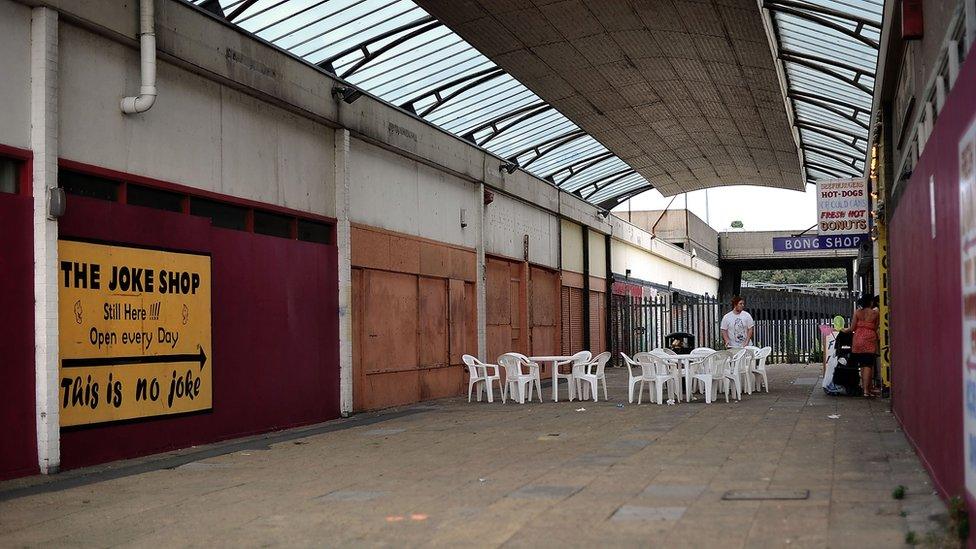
x=200 y=357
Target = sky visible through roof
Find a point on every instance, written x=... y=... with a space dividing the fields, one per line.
x=825 y=47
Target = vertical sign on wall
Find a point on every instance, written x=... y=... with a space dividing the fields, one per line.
x=884 y=326
x=134 y=333
x=967 y=243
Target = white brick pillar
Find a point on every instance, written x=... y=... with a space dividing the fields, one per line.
x=481 y=283
x=44 y=143
x=345 y=269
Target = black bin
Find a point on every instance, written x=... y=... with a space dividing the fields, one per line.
x=680 y=342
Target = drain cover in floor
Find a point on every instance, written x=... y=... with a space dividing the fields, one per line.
x=351 y=495
x=753 y=495
x=636 y=512
x=806 y=381
x=674 y=491
x=544 y=491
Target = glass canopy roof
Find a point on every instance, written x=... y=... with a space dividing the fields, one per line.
x=829 y=52
x=394 y=50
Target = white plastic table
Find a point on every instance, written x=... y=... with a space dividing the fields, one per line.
x=553 y=360
x=686 y=362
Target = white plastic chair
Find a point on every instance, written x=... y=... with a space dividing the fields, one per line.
x=759 y=367
x=639 y=356
x=659 y=373
x=631 y=379
x=744 y=367
x=739 y=366
x=699 y=352
x=591 y=373
x=581 y=357
x=675 y=369
x=514 y=378
x=715 y=373
x=483 y=374
x=534 y=372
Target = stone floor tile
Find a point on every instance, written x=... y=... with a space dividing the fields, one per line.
x=487 y=475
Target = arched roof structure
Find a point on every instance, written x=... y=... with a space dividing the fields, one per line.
x=608 y=99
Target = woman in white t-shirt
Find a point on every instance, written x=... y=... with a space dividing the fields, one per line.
x=737 y=325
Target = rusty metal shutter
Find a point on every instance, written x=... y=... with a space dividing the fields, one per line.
x=565 y=339
x=597 y=309
x=572 y=320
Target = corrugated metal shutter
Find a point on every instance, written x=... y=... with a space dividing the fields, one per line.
x=572 y=320
x=564 y=315
x=596 y=322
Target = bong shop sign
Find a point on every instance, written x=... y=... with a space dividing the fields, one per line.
x=135 y=333
x=842 y=206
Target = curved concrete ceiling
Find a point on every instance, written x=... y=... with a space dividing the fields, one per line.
x=685 y=92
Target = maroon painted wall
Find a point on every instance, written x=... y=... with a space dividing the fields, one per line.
x=275 y=331
x=18 y=456
x=926 y=345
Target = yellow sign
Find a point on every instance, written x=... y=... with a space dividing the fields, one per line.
x=134 y=333
x=883 y=308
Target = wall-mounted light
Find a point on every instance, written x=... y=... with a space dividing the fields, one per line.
x=627 y=273
x=347 y=94
x=464 y=215
x=56 y=202
x=509 y=167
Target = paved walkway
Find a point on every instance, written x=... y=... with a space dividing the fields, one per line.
x=451 y=473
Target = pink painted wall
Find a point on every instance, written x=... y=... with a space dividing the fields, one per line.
x=926 y=345
x=275 y=331
x=18 y=449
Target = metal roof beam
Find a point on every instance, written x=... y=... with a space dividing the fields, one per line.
x=513 y=118
x=541 y=149
x=833 y=155
x=241 y=8
x=810 y=96
x=785 y=55
x=418 y=27
x=612 y=202
x=812 y=128
x=841 y=156
x=855 y=137
x=469 y=81
x=803 y=11
x=833 y=170
x=604 y=182
x=576 y=167
x=822 y=10
x=826 y=106
x=820 y=68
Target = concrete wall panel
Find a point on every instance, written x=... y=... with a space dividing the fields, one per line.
x=507 y=221
x=15 y=68
x=645 y=265
x=399 y=194
x=598 y=255
x=572 y=246
x=216 y=138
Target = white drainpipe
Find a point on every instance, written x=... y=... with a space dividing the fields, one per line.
x=147 y=50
